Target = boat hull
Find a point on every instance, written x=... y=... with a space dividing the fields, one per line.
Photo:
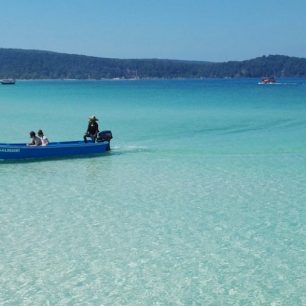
x=53 y=150
x=8 y=82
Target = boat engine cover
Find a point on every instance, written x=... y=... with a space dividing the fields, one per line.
x=104 y=136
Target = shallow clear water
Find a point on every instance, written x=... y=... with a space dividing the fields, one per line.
x=200 y=202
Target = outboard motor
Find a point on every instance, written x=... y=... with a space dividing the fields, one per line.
x=104 y=136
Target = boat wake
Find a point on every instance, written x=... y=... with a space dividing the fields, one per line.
x=276 y=83
x=129 y=149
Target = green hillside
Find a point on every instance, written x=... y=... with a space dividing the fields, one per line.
x=34 y=64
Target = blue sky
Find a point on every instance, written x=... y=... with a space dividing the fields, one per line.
x=212 y=30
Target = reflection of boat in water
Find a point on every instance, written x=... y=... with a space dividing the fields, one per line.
x=8 y=82
x=267 y=81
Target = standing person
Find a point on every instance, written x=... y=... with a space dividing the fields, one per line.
x=43 y=138
x=92 y=129
x=36 y=141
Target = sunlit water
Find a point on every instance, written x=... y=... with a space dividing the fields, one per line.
x=200 y=202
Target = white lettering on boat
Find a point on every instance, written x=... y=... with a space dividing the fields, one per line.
x=9 y=150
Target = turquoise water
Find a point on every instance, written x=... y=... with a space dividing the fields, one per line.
x=200 y=202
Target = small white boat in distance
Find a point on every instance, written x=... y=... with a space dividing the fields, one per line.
x=267 y=81
x=8 y=81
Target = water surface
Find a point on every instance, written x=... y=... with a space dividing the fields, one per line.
x=200 y=202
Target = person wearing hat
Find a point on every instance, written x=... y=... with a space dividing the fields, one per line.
x=92 y=129
x=35 y=140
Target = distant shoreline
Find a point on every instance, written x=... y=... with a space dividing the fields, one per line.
x=151 y=79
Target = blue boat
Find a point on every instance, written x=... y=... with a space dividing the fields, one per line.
x=66 y=149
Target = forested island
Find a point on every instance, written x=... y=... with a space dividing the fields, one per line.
x=35 y=64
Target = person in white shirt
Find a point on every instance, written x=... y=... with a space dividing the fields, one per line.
x=43 y=138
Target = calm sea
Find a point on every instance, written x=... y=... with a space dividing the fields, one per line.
x=201 y=201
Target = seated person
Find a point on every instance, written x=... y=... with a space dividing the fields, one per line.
x=36 y=141
x=92 y=129
x=43 y=138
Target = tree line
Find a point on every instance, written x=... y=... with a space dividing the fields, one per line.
x=35 y=64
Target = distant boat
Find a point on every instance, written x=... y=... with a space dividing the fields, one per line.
x=8 y=82
x=267 y=81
